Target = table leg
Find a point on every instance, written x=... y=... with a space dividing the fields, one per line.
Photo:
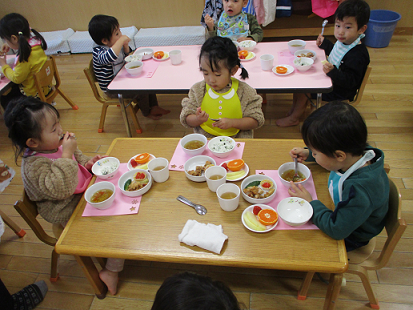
x=318 y=103
x=92 y=274
x=333 y=290
x=124 y=114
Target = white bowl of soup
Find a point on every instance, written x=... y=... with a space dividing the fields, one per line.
x=135 y=182
x=286 y=173
x=296 y=45
x=134 y=67
x=194 y=144
x=101 y=195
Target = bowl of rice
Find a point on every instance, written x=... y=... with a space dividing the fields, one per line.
x=106 y=168
x=247 y=45
x=221 y=146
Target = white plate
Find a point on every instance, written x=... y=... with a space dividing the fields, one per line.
x=138 y=167
x=245 y=168
x=249 y=209
x=253 y=57
x=146 y=53
x=165 y=56
x=290 y=69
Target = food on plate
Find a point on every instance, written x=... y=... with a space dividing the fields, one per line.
x=243 y=54
x=254 y=190
x=267 y=184
x=194 y=144
x=252 y=222
x=235 y=175
x=222 y=145
x=281 y=69
x=267 y=217
x=324 y=62
x=228 y=195
x=225 y=166
x=235 y=165
x=309 y=55
x=159 y=54
x=101 y=195
x=200 y=169
x=140 y=180
x=256 y=210
x=142 y=158
x=289 y=175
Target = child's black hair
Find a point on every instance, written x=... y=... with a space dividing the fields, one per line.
x=354 y=8
x=219 y=49
x=188 y=291
x=335 y=126
x=24 y=117
x=14 y=24
x=102 y=27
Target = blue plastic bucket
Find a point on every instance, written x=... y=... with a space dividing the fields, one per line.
x=380 y=27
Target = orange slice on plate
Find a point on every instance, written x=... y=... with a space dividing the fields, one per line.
x=142 y=158
x=159 y=55
x=267 y=217
x=235 y=165
x=281 y=70
x=243 y=54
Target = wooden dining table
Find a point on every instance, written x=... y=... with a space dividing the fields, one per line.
x=178 y=79
x=152 y=233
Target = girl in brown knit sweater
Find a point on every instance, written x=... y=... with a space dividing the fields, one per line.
x=55 y=172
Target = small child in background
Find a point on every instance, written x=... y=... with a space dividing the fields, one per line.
x=188 y=291
x=336 y=136
x=109 y=57
x=348 y=58
x=221 y=105
x=30 y=58
x=234 y=23
x=55 y=172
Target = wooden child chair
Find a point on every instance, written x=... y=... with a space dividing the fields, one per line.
x=28 y=211
x=361 y=260
x=45 y=77
x=106 y=101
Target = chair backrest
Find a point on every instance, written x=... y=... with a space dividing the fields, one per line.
x=360 y=91
x=395 y=227
x=45 y=77
x=28 y=211
x=90 y=75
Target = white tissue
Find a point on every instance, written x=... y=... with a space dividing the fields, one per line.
x=207 y=236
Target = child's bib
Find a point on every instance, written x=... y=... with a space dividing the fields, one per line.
x=340 y=50
x=233 y=27
x=226 y=105
x=83 y=175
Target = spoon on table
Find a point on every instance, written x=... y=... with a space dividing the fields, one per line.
x=296 y=176
x=201 y=210
x=323 y=25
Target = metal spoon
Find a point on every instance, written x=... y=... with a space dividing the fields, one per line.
x=214 y=119
x=323 y=25
x=296 y=176
x=201 y=210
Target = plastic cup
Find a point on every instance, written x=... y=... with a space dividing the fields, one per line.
x=228 y=204
x=267 y=62
x=213 y=172
x=159 y=169
x=176 y=57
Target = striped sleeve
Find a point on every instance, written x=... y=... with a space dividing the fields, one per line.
x=102 y=65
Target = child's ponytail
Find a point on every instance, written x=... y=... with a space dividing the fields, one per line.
x=244 y=72
x=24 y=47
x=40 y=37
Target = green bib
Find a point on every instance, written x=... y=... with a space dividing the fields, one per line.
x=225 y=105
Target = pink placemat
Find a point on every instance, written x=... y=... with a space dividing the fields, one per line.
x=285 y=58
x=122 y=204
x=148 y=70
x=282 y=192
x=180 y=157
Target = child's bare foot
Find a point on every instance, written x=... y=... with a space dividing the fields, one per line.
x=157 y=110
x=154 y=117
x=110 y=278
x=287 y=122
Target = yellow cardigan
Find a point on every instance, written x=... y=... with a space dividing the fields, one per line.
x=23 y=71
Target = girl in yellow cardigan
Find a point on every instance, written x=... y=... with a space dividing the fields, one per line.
x=30 y=58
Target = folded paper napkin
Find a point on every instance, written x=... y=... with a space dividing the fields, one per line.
x=207 y=236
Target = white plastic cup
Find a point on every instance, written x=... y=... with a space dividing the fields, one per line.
x=176 y=57
x=212 y=171
x=267 y=62
x=161 y=175
x=228 y=204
